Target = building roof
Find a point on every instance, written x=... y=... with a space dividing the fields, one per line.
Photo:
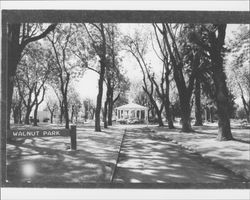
x=131 y=106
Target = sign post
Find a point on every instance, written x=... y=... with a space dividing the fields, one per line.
x=73 y=137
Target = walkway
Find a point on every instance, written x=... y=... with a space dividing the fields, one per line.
x=146 y=160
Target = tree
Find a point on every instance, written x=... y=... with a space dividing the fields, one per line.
x=17 y=106
x=137 y=47
x=19 y=36
x=183 y=58
x=52 y=107
x=89 y=108
x=116 y=81
x=198 y=113
x=66 y=68
x=75 y=104
x=98 y=36
x=211 y=39
x=237 y=66
x=203 y=85
x=37 y=103
x=32 y=73
x=140 y=97
x=165 y=78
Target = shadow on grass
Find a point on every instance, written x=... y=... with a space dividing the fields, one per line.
x=50 y=160
x=147 y=160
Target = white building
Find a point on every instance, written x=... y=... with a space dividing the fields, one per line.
x=131 y=113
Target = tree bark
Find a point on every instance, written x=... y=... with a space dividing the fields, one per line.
x=183 y=90
x=72 y=114
x=51 y=117
x=198 y=111
x=20 y=116
x=216 y=39
x=27 y=115
x=105 y=114
x=167 y=103
x=157 y=110
x=110 y=108
x=185 y=112
x=219 y=77
x=169 y=117
x=37 y=103
x=224 y=132
x=15 y=115
x=66 y=111
x=35 y=115
x=246 y=106
x=99 y=96
x=14 y=55
x=61 y=113
x=100 y=81
x=160 y=122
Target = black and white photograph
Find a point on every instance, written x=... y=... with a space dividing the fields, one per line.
x=125 y=99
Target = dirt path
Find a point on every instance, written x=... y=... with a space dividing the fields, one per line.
x=144 y=159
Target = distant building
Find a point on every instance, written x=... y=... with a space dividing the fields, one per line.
x=131 y=113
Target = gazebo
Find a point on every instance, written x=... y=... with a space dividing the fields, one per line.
x=131 y=113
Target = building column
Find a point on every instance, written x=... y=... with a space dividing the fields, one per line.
x=139 y=114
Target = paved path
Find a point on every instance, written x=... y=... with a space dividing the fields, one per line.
x=144 y=159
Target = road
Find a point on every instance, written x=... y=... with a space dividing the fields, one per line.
x=144 y=159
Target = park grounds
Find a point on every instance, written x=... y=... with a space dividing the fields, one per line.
x=49 y=162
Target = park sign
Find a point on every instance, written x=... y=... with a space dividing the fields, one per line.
x=38 y=133
x=34 y=133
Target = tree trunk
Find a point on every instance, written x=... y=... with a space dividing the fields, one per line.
x=14 y=55
x=171 y=107
x=16 y=114
x=35 y=115
x=72 y=114
x=221 y=92
x=157 y=110
x=27 y=116
x=61 y=113
x=185 y=118
x=20 y=116
x=169 y=117
x=105 y=114
x=110 y=108
x=186 y=126
x=246 y=107
x=51 y=117
x=66 y=112
x=198 y=111
x=99 y=96
x=167 y=101
x=160 y=122
x=211 y=114
x=168 y=106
